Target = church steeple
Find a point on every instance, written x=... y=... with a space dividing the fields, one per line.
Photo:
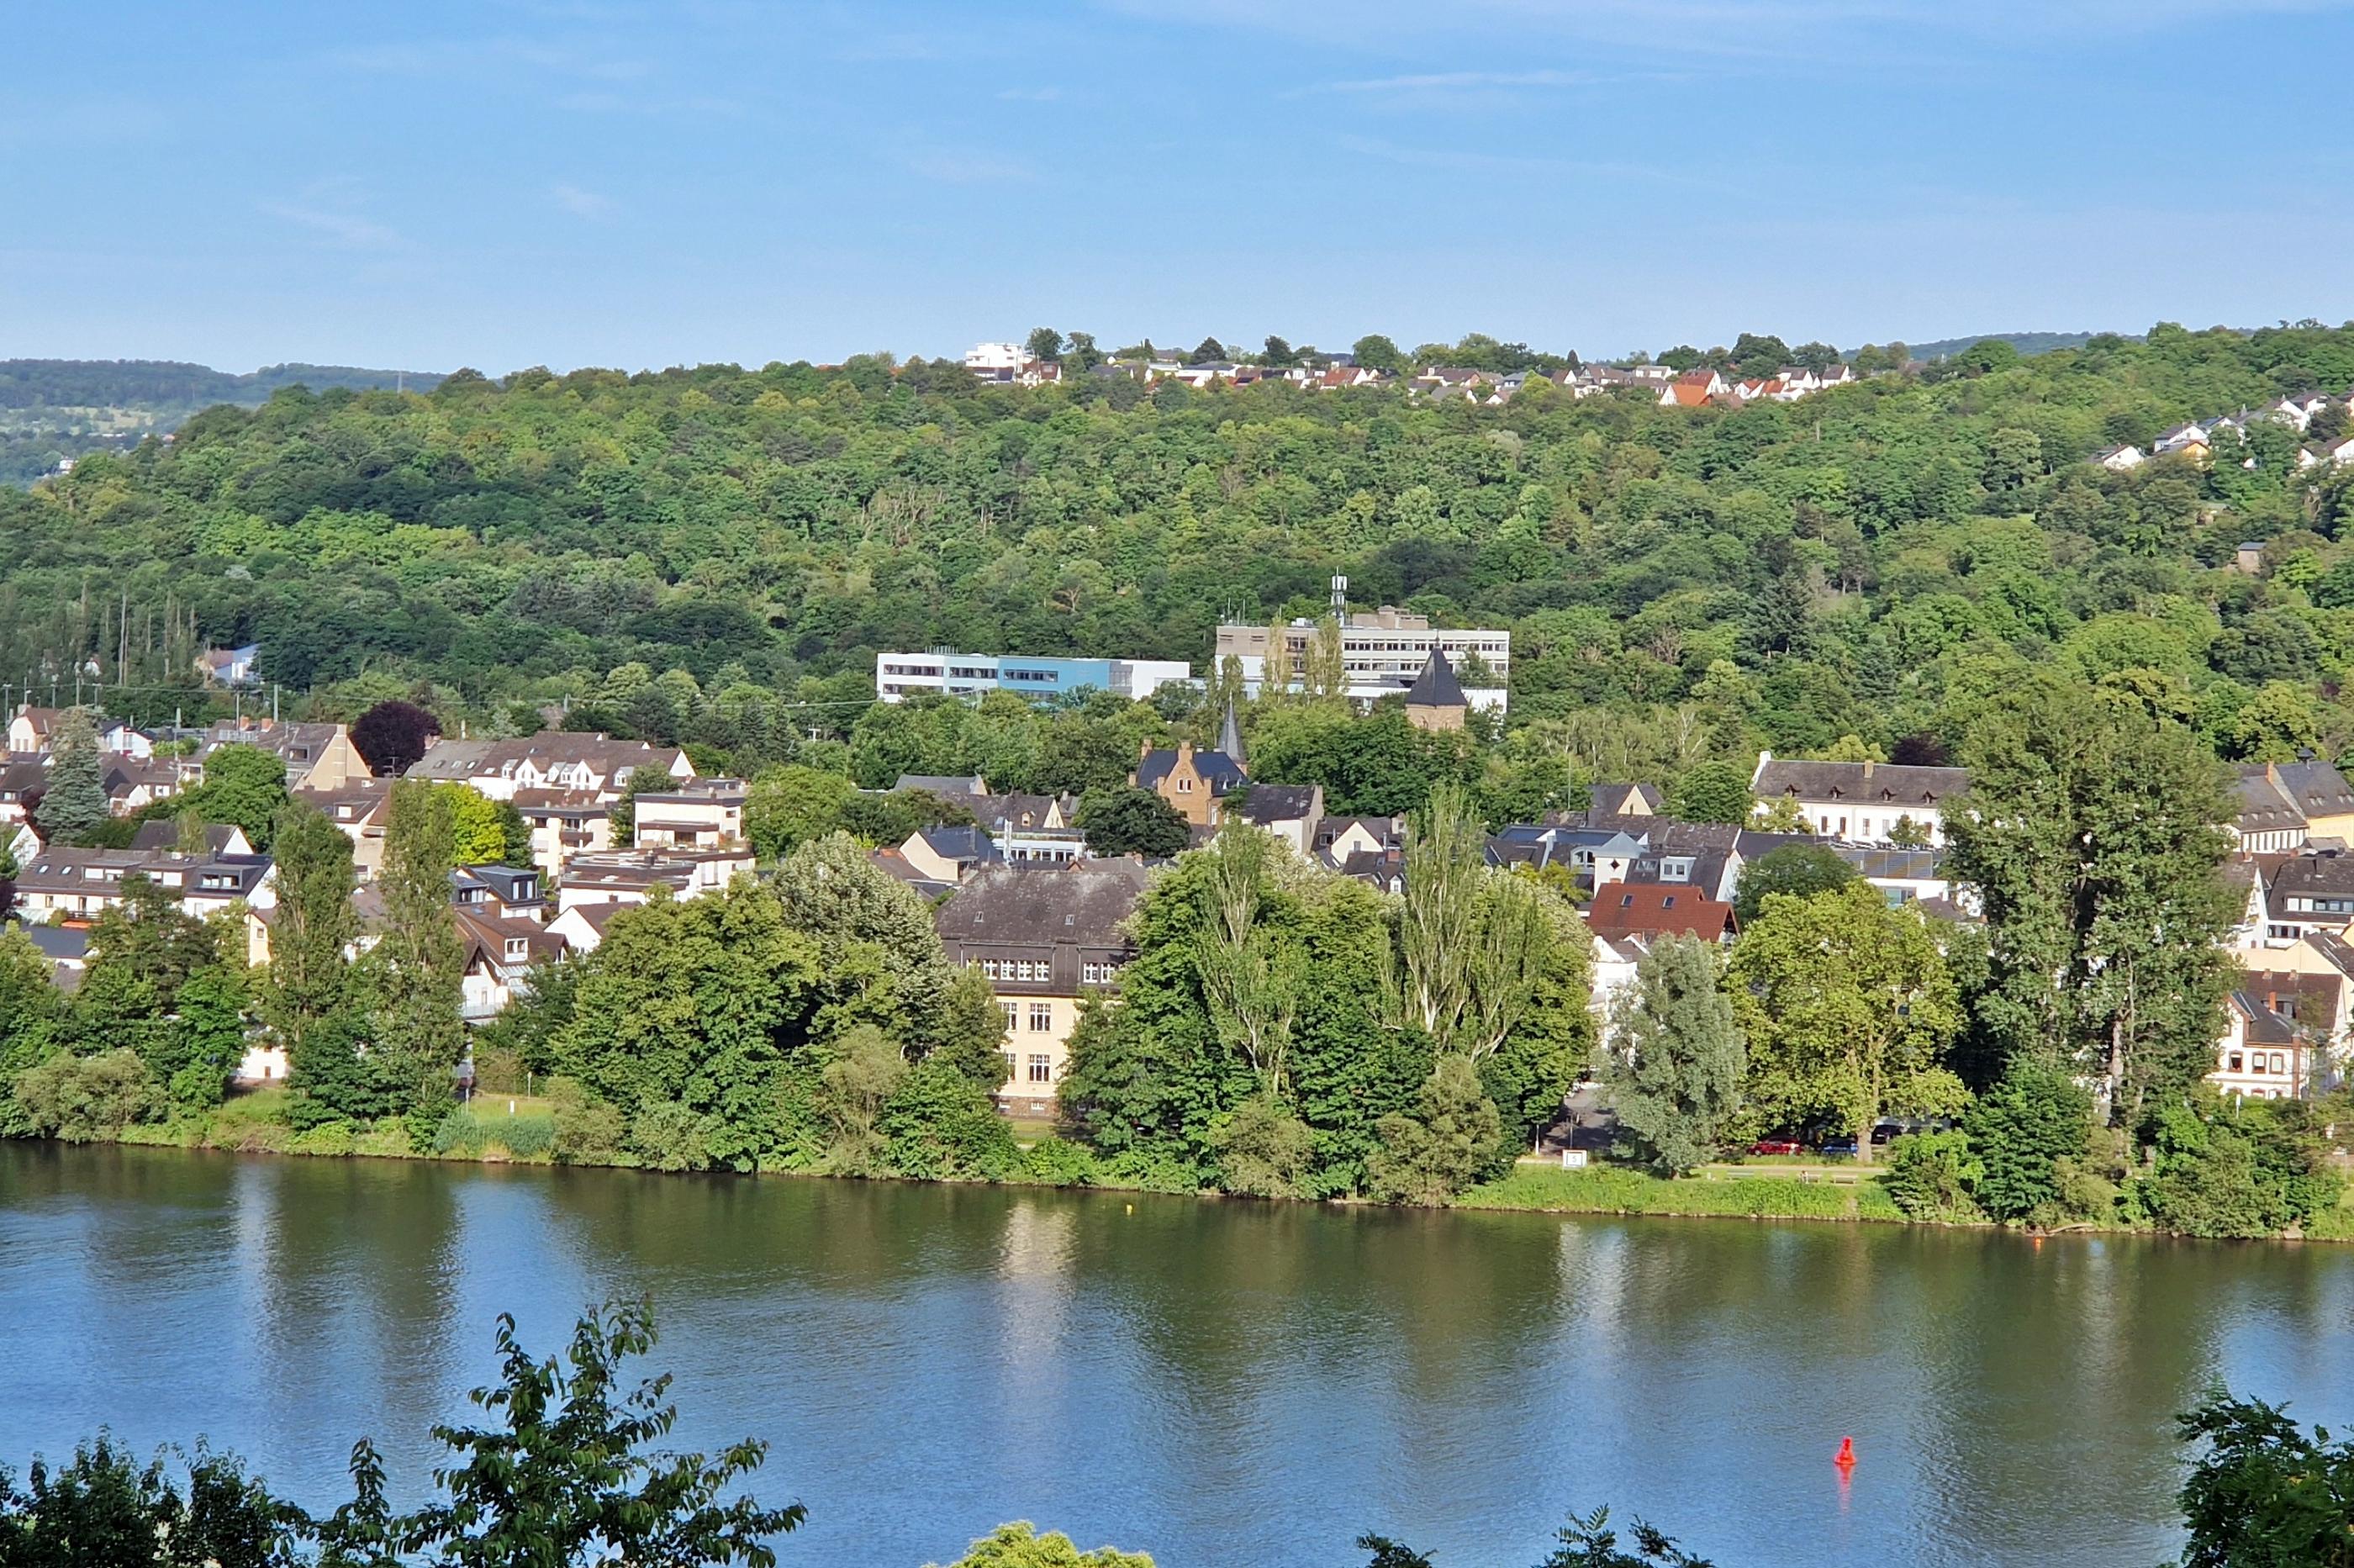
x=1230 y=735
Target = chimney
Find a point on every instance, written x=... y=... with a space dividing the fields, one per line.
x=1867 y=768
x=2272 y=773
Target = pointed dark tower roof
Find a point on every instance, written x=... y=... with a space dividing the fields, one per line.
x=1436 y=687
x=1230 y=735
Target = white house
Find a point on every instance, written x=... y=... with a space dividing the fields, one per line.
x=1861 y=803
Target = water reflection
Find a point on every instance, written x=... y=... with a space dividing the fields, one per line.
x=1219 y=1382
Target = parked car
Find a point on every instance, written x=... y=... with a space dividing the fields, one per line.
x=1780 y=1143
x=1843 y=1144
x=1890 y=1127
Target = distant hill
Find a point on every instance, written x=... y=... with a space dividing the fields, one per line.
x=55 y=409
x=2027 y=342
x=164 y=384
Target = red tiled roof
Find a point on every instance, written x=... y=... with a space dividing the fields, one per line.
x=1623 y=909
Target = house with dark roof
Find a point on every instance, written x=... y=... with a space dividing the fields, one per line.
x=1626 y=800
x=1862 y=802
x=948 y=854
x=1624 y=909
x=1045 y=938
x=2279 y=805
x=2305 y=893
x=1195 y=782
x=317 y=756
x=2264 y=1054
x=211 y=838
x=1290 y=812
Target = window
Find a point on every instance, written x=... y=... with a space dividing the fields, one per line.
x=2280 y=1063
x=1042 y=1067
x=1093 y=973
x=1011 y=1013
x=2257 y=1064
x=1009 y=1065
x=2236 y=1060
x=1184 y=786
x=1042 y=1017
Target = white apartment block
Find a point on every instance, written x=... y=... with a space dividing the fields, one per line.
x=1382 y=652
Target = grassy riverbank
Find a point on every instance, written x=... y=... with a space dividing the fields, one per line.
x=1607 y=1190
x=516 y=1129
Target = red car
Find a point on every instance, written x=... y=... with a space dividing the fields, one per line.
x=1777 y=1146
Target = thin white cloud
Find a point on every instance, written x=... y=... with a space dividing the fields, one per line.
x=349 y=230
x=581 y=203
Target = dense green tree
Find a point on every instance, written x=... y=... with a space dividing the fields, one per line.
x=1128 y=820
x=791 y=805
x=2261 y=1493
x=1847 y=1008
x=1448 y=1141
x=1473 y=943
x=1713 y=792
x=2028 y=1131
x=1797 y=871
x=1375 y=352
x=81 y=1099
x=73 y=795
x=244 y=788
x=1019 y=1546
x=2090 y=831
x=1673 y=1059
x=563 y=1472
x=196 y=1510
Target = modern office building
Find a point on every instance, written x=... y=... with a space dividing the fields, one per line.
x=901 y=675
x=1383 y=650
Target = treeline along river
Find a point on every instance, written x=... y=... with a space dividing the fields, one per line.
x=1216 y=1383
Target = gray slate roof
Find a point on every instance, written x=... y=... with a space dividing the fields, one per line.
x=1083 y=904
x=1436 y=687
x=1894 y=782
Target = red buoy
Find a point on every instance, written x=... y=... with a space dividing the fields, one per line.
x=1846 y=1460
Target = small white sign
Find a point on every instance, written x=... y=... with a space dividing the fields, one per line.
x=1573 y=1159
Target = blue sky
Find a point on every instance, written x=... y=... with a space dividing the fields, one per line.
x=504 y=183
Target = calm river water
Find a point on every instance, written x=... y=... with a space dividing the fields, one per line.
x=1217 y=1383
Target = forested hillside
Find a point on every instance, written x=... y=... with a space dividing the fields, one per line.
x=1679 y=583
x=54 y=408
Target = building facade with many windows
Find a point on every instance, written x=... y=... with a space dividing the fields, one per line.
x=1383 y=651
x=898 y=676
x=1046 y=937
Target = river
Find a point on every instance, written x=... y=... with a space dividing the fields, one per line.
x=1217 y=1383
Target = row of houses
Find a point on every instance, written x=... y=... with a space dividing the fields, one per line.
x=1013 y=365
x=2197 y=440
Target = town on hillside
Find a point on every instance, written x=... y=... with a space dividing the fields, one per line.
x=1026 y=894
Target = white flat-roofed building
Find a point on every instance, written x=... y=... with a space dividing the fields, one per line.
x=898 y=676
x=1381 y=652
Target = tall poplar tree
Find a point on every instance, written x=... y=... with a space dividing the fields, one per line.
x=415 y=970
x=2092 y=831
x=309 y=979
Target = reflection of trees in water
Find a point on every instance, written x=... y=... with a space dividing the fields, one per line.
x=355 y=1270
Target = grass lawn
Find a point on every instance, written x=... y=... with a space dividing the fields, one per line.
x=489 y=1110
x=1029 y=1130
